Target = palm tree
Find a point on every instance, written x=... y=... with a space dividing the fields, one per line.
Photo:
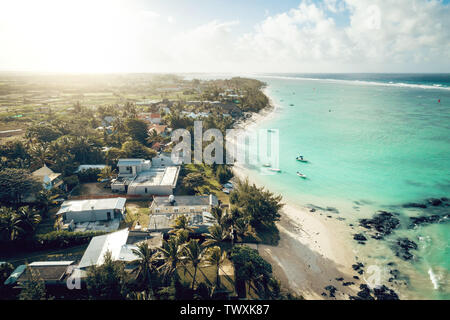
x=46 y=199
x=27 y=218
x=217 y=234
x=10 y=229
x=193 y=253
x=145 y=264
x=170 y=253
x=215 y=257
x=106 y=174
x=181 y=223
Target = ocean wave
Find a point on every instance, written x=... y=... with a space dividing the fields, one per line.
x=363 y=82
x=434 y=279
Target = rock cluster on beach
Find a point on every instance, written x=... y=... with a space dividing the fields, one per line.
x=379 y=293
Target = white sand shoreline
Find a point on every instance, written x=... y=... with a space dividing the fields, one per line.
x=313 y=250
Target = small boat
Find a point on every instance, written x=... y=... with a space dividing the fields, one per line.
x=291 y=104
x=301 y=159
x=266 y=165
x=301 y=175
x=275 y=169
x=270 y=130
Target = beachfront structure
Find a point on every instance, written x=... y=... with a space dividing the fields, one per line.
x=139 y=177
x=93 y=210
x=47 y=177
x=164 y=211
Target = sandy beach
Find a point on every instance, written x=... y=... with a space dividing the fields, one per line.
x=313 y=251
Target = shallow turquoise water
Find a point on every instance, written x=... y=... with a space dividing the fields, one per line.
x=370 y=147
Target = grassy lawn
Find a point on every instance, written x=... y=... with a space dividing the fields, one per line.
x=211 y=186
x=210 y=273
x=137 y=211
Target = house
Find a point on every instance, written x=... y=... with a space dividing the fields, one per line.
x=159 y=129
x=183 y=204
x=87 y=213
x=155 y=118
x=138 y=177
x=47 y=177
x=51 y=272
x=163 y=159
x=164 y=211
x=115 y=243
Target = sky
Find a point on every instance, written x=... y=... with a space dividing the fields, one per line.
x=235 y=36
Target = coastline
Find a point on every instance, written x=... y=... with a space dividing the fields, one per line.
x=313 y=251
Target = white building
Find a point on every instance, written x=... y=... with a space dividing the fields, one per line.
x=79 y=211
x=114 y=243
x=164 y=211
x=139 y=177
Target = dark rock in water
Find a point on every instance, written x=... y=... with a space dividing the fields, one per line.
x=312 y=210
x=444 y=199
x=331 y=289
x=434 y=202
x=414 y=205
x=383 y=222
x=391 y=264
x=339 y=279
x=359 y=237
x=402 y=248
x=324 y=294
x=356 y=277
x=417 y=221
x=346 y=284
x=384 y=293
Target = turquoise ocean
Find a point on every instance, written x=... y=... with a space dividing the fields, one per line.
x=374 y=142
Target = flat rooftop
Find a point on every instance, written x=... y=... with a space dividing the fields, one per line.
x=92 y=204
x=157 y=177
x=186 y=201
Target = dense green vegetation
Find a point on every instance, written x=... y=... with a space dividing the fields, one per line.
x=82 y=130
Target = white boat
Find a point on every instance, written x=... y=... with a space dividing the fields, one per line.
x=266 y=165
x=275 y=169
x=301 y=159
x=301 y=175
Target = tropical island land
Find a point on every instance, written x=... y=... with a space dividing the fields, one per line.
x=67 y=195
x=301 y=255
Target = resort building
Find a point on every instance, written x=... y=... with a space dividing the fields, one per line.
x=164 y=211
x=94 y=214
x=48 y=178
x=139 y=177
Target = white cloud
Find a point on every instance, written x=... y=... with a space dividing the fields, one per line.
x=392 y=35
